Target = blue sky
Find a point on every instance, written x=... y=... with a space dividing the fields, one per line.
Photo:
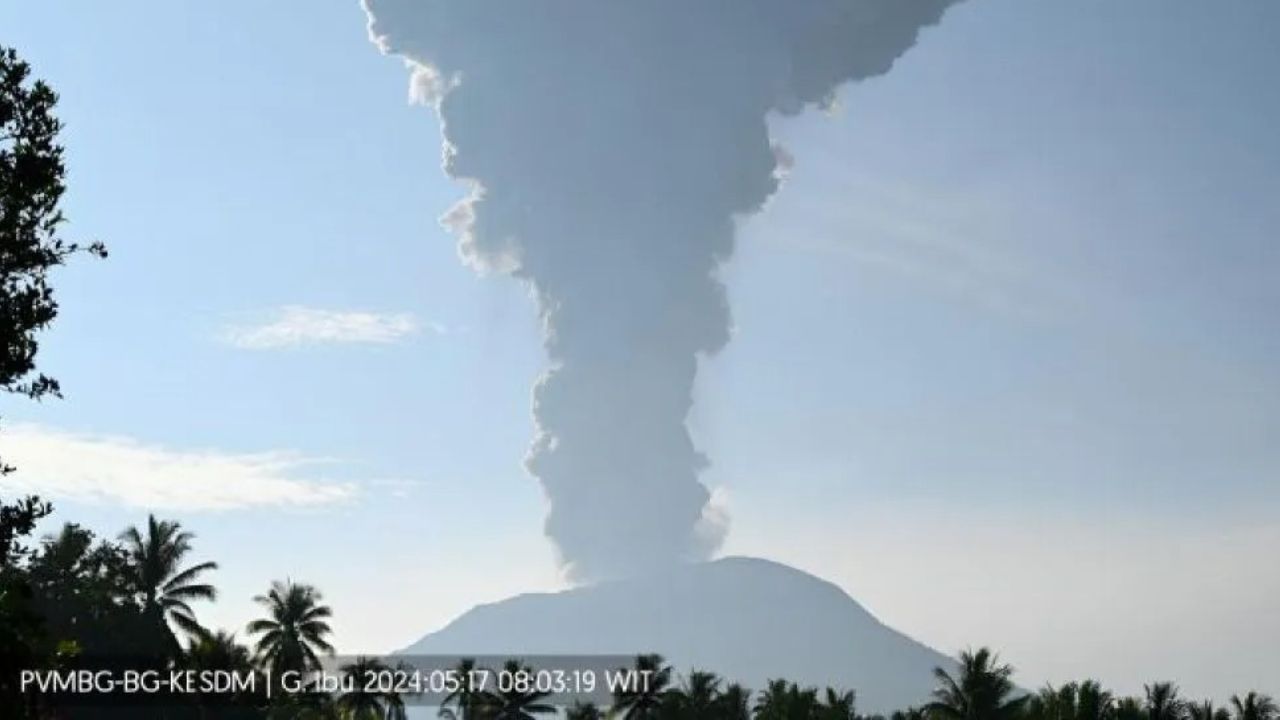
x=1006 y=352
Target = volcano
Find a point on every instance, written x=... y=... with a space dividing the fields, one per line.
x=747 y=619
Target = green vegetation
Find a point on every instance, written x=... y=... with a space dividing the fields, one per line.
x=164 y=588
x=77 y=601
x=294 y=631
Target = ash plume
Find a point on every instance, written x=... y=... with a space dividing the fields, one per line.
x=611 y=145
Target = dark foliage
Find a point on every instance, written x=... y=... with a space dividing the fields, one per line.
x=32 y=176
x=78 y=601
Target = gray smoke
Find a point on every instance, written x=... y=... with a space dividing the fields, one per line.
x=611 y=144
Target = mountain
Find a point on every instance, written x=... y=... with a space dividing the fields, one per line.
x=744 y=618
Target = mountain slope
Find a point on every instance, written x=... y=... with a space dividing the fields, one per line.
x=744 y=618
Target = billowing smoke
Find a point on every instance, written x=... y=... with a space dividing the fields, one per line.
x=611 y=144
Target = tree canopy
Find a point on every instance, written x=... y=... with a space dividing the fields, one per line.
x=32 y=185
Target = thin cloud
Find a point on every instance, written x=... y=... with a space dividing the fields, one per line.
x=125 y=471
x=947 y=243
x=295 y=325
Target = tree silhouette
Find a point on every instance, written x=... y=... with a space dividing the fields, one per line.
x=1093 y=702
x=783 y=700
x=221 y=652
x=16 y=522
x=583 y=711
x=20 y=624
x=84 y=591
x=1074 y=701
x=697 y=696
x=1052 y=703
x=983 y=691
x=369 y=696
x=516 y=702
x=734 y=703
x=644 y=700
x=32 y=176
x=1206 y=711
x=218 y=651
x=164 y=587
x=295 y=629
x=1254 y=706
x=462 y=703
x=772 y=702
x=910 y=713
x=1163 y=702
x=838 y=705
x=1130 y=708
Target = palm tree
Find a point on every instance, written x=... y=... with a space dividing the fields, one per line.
x=734 y=703
x=163 y=586
x=358 y=702
x=1065 y=703
x=772 y=701
x=1254 y=706
x=515 y=702
x=643 y=699
x=838 y=705
x=1206 y=711
x=220 y=652
x=462 y=703
x=367 y=697
x=786 y=701
x=1052 y=703
x=1129 y=708
x=983 y=691
x=1163 y=703
x=295 y=630
x=1093 y=702
x=697 y=696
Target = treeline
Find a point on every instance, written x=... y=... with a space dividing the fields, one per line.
x=979 y=688
x=75 y=601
